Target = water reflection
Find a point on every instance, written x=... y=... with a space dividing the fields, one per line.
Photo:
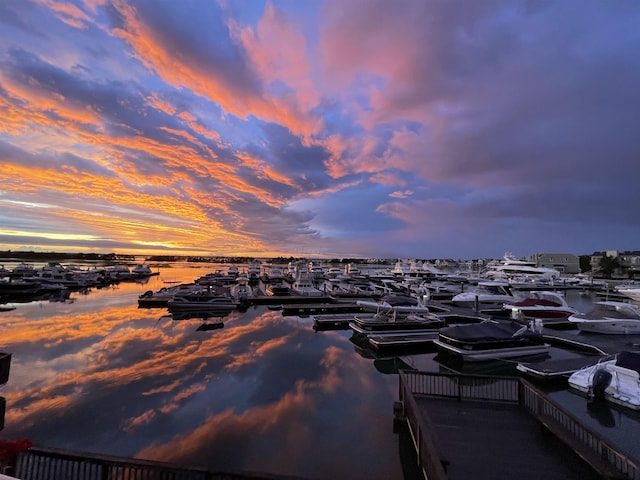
x=262 y=393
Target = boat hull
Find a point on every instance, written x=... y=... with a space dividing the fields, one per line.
x=623 y=390
x=493 y=354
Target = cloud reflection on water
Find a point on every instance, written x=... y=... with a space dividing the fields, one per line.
x=264 y=393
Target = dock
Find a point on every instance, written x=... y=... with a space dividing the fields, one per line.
x=482 y=427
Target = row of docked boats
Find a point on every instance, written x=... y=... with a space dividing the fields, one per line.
x=26 y=281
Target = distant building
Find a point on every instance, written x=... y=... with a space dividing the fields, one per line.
x=628 y=263
x=563 y=262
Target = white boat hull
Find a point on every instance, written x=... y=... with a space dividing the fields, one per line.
x=624 y=388
x=610 y=326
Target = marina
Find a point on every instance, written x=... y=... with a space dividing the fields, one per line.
x=263 y=349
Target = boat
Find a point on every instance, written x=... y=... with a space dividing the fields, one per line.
x=142 y=270
x=609 y=317
x=492 y=340
x=615 y=380
x=395 y=303
x=391 y=321
x=119 y=272
x=334 y=271
x=160 y=298
x=489 y=294
x=550 y=307
x=416 y=337
x=203 y=301
x=512 y=267
x=632 y=292
x=241 y=290
x=277 y=288
x=303 y=285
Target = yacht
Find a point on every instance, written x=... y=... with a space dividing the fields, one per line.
x=609 y=317
x=615 y=380
x=303 y=285
x=522 y=269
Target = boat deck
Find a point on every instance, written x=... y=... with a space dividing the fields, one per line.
x=488 y=440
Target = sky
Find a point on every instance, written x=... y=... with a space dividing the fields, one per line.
x=333 y=128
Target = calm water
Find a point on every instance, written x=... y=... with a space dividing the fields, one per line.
x=265 y=393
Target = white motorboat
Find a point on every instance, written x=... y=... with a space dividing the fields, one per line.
x=632 y=292
x=241 y=290
x=550 y=307
x=616 y=380
x=609 y=317
x=492 y=294
x=492 y=340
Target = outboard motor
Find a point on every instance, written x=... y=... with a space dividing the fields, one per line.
x=601 y=380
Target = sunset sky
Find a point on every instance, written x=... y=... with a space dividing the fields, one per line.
x=337 y=128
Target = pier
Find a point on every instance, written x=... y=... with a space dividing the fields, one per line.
x=500 y=427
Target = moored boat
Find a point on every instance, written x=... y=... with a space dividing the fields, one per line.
x=203 y=301
x=609 y=317
x=550 y=307
x=616 y=380
x=492 y=340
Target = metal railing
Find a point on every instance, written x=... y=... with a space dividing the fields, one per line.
x=501 y=389
x=541 y=406
x=423 y=436
x=55 y=464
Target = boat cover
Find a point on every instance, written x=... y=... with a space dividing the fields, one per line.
x=532 y=302
x=630 y=360
x=482 y=331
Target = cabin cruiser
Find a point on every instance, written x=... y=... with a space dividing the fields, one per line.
x=491 y=294
x=615 y=380
x=492 y=340
x=609 y=317
x=550 y=307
